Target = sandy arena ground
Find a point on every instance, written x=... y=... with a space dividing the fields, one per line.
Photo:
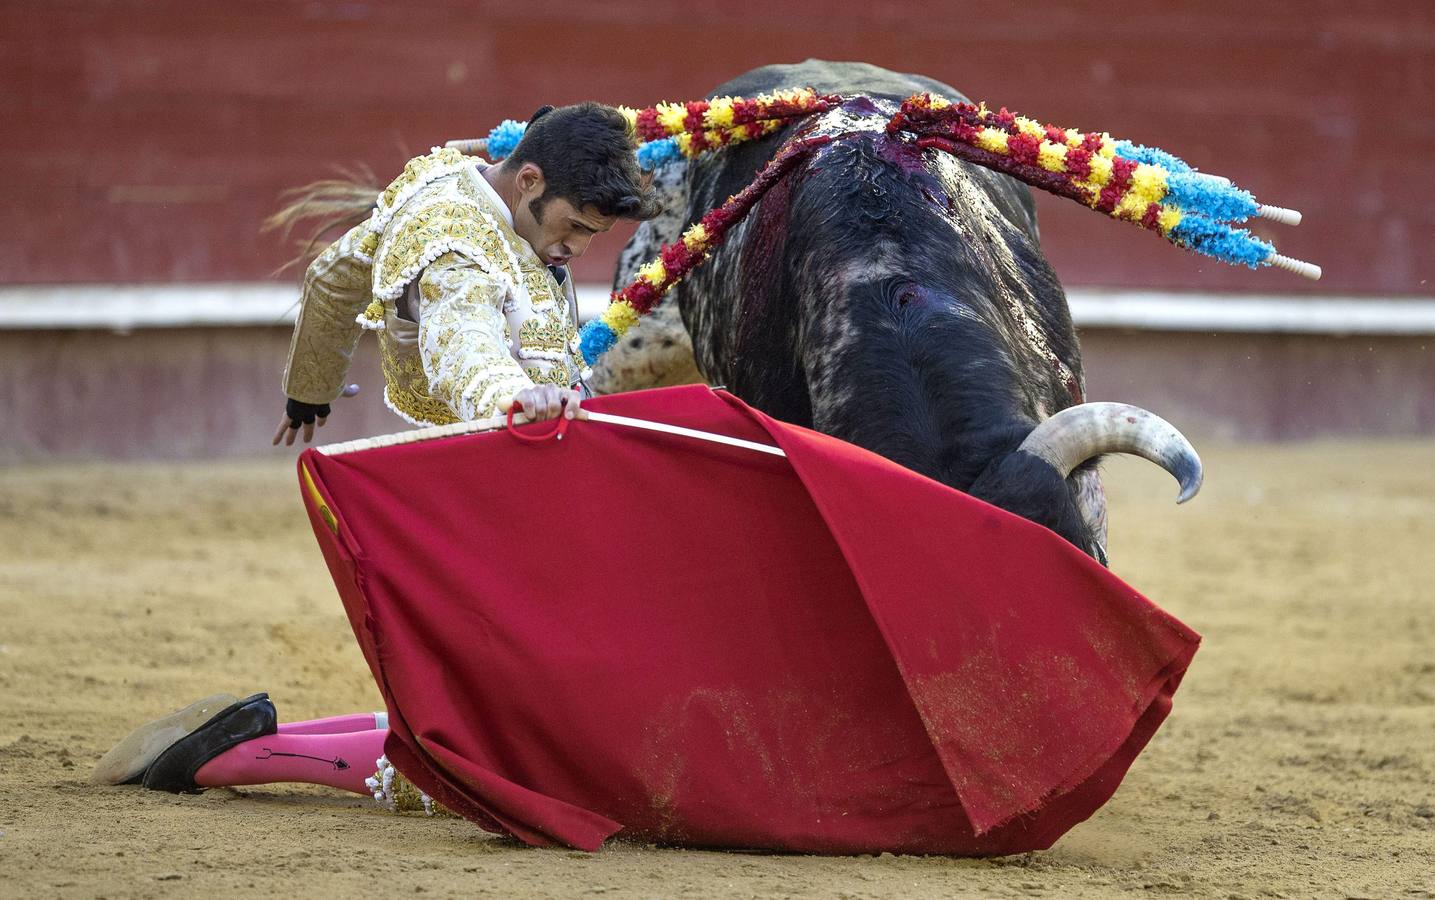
x=1299 y=760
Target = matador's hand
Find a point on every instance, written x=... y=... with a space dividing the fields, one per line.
x=299 y=416
x=546 y=401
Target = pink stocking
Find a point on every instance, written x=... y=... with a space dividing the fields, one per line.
x=341 y=760
x=336 y=724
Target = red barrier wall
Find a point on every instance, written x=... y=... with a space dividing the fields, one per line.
x=146 y=139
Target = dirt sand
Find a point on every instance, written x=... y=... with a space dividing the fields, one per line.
x=1299 y=760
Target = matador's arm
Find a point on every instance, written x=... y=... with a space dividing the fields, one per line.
x=463 y=337
x=336 y=290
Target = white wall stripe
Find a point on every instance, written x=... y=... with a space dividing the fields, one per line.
x=130 y=306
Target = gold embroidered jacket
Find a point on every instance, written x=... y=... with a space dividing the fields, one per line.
x=491 y=319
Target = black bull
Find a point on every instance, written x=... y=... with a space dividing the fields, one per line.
x=898 y=299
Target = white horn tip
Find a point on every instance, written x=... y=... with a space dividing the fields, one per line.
x=1190 y=475
x=1299 y=267
x=1279 y=214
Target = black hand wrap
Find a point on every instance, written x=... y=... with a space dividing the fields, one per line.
x=305 y=413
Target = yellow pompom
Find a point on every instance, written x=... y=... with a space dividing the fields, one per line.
x=696 y=238
x=1148 y=183
x=685 y=144
x=654 y=273
x=630 y=114
x=1108 y=146
x=1052 y=157
x=719 y=114
x=1030 y=127
x=1131 y=208
x=794 y=95
x=1073 y=137
x=1100 y=171
x=672 y=116
x=992 y=140
x=620 y=316
x=1169 y=218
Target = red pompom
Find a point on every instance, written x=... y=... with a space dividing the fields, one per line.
x=715 y=221
x=677 y=258
x=642 y=296
x=744 y=111
x=1023 y=147
x=648 y=125
x=694 y=120
x=1152 y=217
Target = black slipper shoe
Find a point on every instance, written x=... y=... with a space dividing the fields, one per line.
x=127 y=761
x=174 y=769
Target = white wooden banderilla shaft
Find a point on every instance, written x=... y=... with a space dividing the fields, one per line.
x=610 y=419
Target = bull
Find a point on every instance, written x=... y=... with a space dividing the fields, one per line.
x=896 y=298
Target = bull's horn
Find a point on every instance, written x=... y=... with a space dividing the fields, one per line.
x=1077 y=433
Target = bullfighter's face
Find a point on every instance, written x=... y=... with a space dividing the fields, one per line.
x=555 y=229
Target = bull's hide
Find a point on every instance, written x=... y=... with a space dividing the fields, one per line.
x=892 y=297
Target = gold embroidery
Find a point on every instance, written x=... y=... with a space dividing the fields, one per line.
x=556 y=375
x=415 y=170
x=336 y=289
x=411 y=246
x=407 y=386
x=545 y=331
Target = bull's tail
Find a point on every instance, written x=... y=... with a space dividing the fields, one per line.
x=328 y=205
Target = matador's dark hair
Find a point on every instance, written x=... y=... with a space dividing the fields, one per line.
x=588 y=156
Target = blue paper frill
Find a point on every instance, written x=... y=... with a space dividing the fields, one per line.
x=655 y=154
x=1220 y=240
x=503 y=139
x=595 y=339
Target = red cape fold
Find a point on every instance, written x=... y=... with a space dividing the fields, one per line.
x=690 y=643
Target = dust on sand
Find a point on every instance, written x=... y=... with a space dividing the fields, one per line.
x=1299 y=760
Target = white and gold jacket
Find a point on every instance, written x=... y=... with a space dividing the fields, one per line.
x=439 y=249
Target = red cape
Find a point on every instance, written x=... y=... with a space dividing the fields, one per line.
x=699 y=644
